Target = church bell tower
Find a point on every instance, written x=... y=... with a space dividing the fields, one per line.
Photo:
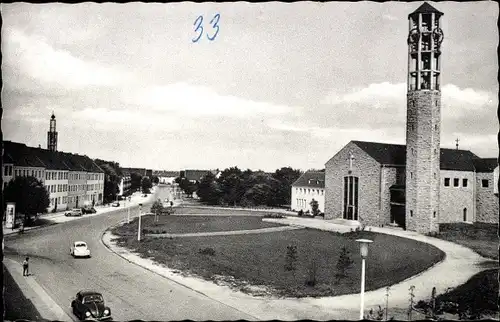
x=52 y=134
x=423 y=119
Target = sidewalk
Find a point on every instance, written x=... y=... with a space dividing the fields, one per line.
x=59 y=217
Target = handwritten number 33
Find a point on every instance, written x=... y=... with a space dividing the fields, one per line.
x=199 y=28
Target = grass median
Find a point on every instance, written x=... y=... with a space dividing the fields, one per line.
x=265 y=260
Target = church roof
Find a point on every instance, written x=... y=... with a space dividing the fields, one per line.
x=426 y=8
x=485 y=164
x=395 y=154
x=313 y=179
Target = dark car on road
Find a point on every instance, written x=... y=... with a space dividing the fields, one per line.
x=89 y=305
x=89 y=210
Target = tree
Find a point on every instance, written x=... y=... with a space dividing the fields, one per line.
x=155 y=179
x=232 y=186
x=146 y=184
x=29 y=194
x=208 y=190
x=135 y=181
x=314 y=207
x=286 y=176
x=157 y=208
x=344 y=263
x=111 y=181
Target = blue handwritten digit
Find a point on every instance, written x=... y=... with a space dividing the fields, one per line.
x=198 y=20
x=216 y=18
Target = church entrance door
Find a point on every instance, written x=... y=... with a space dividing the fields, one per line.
x=398 y=215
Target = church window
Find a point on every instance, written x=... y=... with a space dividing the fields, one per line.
x=351 y=185
x=412 y=151
x=485 y=183
x=435 y=175
x=446 y=182
x=465 y=214
x=411 y=213
x=456 y=182
x=434 y=214
x=464 y=183
x=411 y=175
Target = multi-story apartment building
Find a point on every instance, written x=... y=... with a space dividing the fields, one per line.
x=71 y=180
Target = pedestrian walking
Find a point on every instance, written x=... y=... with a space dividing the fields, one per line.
x=26 y=267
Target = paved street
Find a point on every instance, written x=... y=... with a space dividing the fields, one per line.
x=132 y=292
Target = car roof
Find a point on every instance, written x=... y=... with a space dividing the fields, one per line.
x=80 y=242
x=89 y=292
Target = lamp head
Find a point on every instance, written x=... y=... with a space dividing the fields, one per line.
x=363 y=243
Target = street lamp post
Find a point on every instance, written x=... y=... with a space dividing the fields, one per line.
x=139 y=230
x=364 y=253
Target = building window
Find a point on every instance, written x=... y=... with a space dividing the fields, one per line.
x=411 y=175
x=456 y=182
x=446 y=182
x=411 y=213
x=464 y=183
x=435 y=175
x=434 y=214
x=485 y=183
x=351 y=186
x=465 y=214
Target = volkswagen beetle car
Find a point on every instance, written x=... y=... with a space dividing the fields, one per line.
x=89 y=305
x=79 y=249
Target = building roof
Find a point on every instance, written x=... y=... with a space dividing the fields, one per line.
x=425 y=8
x=163 y=173
x=313 y=179
x=21 y=155
x=195 y=175
x=395 y=154
x=485 y=164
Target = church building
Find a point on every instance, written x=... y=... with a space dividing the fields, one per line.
x=419 y=185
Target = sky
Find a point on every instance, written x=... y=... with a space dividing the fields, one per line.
x=280 y=84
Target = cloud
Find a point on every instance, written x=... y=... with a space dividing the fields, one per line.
x=114 y=119
x=194 y=100
x=37 y=59
x=373 y=94
x=389 y=92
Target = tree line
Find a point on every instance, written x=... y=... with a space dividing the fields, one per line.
x=247 y=188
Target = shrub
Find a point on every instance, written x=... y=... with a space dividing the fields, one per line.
x=314 y=207
x=300 y=213
x=207 y=251
x=343 y=264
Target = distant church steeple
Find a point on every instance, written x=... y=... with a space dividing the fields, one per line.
x=52 y=134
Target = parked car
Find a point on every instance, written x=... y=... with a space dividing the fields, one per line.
x=89 y=210
x=89 y=305
x=115 y=204
x=79 y=249
x=74 y=213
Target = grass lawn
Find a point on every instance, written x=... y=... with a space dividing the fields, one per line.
x=480 y=237
x=194 y=224
x=259 y=259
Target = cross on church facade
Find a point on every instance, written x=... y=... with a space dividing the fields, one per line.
x=351 y=159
